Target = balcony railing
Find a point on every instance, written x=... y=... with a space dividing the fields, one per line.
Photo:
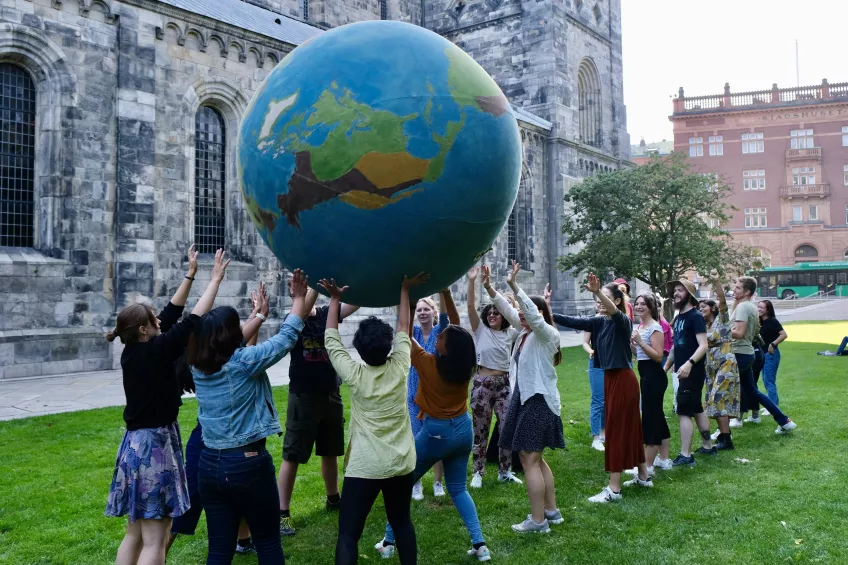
x=810 y=153
x=804 y=190
x=773 y=97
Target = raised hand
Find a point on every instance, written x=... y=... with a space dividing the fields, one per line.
x=192 y=260
x=220 y=266
x=510 y=279
x=486 y=276
x=472 y=273
x=418 y=279
x=260 y=300
x=594 y=284
x=546 y=294
x=298 y=284
x=714 y=276
x=332 y=288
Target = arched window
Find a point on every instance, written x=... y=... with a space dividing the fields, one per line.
x=520 y=222
x=209 y=180
x=17 y=157
x=805 y=253
x=589 y=100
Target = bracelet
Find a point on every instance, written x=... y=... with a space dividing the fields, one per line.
x=261 y=316
x=189 y=278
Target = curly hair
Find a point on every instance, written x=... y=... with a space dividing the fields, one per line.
x=373 y=341
x=460 y=358
x=484 y=317
x=215 y=338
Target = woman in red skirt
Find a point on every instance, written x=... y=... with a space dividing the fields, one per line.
x=611 y=331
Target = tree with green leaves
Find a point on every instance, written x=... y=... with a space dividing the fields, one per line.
x=653 y=223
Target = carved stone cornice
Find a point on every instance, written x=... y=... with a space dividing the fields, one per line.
x=480 y=25
x=587 y=29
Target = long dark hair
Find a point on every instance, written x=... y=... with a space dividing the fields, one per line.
x=460 y=358
x=713 y=306
x=651 y=303
x=216 y=337
x=617 y=294
x=769 y=309
x=484 y=317
x=549 y=319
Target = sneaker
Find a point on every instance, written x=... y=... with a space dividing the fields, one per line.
x=598 y=445
x=786 y=428
x=647 y=483
x=764 y=412
x=476 y=480
x=333 y=506
x=662 y=464
x=704 y=451
x=385 y=550
x=246 y=548
x=828 y=353
x=715 y=435
x=683 y=460
x=606 y=495
x=286 y=527
x=480 y=554
x=750 y=420
x=438 y=488
x=737 y=423
x=509 y=477
x=634 y=472
x=418 y=491
x=554 y=516
x=724 y=444
x=528 y=526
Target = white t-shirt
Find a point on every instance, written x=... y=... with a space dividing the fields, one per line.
x=646 y=332
x=493 y=347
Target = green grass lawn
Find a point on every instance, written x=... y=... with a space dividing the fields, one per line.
x=786 y=505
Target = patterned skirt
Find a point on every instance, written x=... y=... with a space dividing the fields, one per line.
x=531 y=426
x=149 y=482
x=722 y=396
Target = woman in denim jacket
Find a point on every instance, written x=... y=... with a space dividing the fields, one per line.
x=236 y=411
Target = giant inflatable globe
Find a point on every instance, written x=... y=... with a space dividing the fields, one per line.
x=378 y=150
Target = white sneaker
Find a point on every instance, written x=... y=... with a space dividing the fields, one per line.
x=438 y=488
x=598 y=445
x=764 y=412
x=476 y=480
x=634 y=472
x=647 y=483
x=529 y=526
x=509 y=477
x=606 y=495
x=662 y=464
x=480 y=554
x=385 y=551
x=715 y=435
x=418 y=491
x=752 y=420
x=736 y=423
x=786 y=428
x=554 y=516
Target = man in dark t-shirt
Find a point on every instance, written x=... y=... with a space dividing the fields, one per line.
x=688 y=357
x=315 y=414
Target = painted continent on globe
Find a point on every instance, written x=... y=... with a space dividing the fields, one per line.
x=375 y=150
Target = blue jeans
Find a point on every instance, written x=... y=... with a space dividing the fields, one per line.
x=187 y=523
x=750 y=391
x=235 y=483
x=841 y=349
x=596 y=407
x=449 y=441
x=772 y=362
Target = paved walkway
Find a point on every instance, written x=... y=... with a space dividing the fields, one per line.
x=22 y=398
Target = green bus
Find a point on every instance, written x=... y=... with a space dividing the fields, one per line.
x=803 y=279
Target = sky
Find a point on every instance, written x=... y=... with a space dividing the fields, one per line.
x=701 y=45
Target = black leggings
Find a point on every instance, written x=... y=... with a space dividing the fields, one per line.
x=358 y=496
x=653 y=383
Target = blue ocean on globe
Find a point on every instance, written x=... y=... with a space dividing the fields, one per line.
x=377 y=150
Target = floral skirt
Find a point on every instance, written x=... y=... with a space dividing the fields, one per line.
x=723 y=391
x=149 y=482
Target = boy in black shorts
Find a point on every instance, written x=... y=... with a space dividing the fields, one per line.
x=315 y=414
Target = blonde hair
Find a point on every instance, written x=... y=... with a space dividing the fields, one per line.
x=429 y=302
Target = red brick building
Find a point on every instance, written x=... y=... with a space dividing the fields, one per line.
x=785 y=152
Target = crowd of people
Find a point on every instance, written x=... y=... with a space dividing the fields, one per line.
x=409 y=405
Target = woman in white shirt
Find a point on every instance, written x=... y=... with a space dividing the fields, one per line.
x=490 y=390
x=533 y=420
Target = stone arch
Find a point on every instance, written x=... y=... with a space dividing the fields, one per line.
x=805 y=251
x=242 y=54
x=56 y=93
x=260 y=57
x=178 y=32
x=589 y=103
x=197 y=34
x=228 y=99
x=102 y=6
x=273 y=57
x=222 y=43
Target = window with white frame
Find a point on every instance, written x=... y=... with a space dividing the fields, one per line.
x=752 y=143
x=696 y=147
x=755 y=218
x=813 y=212
x=803 y=176
x=797 y=215
x=844 y=136
x=716 y=145
x=754 y=179
x=801 y=139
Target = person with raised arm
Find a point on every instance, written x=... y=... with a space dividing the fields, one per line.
x=533 y=422
x=494 y=337
x=236 y=411
x=149 y=483
x=381 y=453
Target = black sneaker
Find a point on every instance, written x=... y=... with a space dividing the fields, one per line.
x=246 y=548
x=286 y=527
x=724 y=444
x=683 y=460
x=704 y=451
x=333 y=506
